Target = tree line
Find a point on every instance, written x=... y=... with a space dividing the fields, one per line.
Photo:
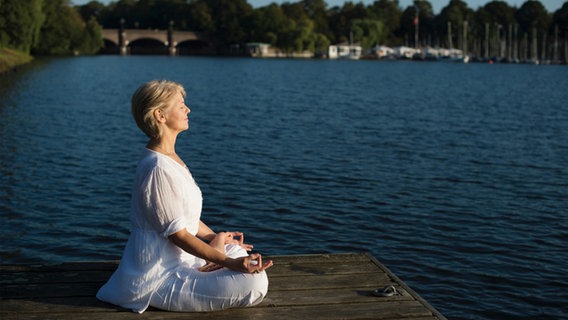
x=54 y=27
x=310 y=25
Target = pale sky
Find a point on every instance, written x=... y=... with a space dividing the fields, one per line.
x=437 y=5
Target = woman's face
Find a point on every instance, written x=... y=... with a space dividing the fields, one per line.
x=176 y=114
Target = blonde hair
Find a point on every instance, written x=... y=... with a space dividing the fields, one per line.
x=149 y=97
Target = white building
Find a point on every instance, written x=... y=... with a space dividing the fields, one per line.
x=344 y=51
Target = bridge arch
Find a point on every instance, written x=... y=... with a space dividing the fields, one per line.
x=148 y=46
x=195 y=47
x=176 y=42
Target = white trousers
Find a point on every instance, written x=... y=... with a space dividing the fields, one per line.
x=191 y=290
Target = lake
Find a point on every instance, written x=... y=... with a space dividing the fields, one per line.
x=455 y=176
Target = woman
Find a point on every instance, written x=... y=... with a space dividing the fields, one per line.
x=172 y=260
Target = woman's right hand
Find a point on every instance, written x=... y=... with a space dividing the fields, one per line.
x=251 y=264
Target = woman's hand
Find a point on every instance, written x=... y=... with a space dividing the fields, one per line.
x=237 y=237
x=210 y=266
x=251 y=264
x=223 y=238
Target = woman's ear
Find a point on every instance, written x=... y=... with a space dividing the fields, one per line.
x=159 y=115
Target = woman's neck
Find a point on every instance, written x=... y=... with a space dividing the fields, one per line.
x=163 y=145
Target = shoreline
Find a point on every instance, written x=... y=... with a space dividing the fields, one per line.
x=12 y=59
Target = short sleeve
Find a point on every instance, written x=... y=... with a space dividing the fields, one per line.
x=164 y=201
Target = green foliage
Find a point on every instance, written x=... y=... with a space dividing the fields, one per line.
x=20 y=22
x=453 y=16
x=493 y=13
x=199 y=18
x=268 y=24
x=62 y=31
x=498 y=12
x=91 y=9
x=92 y=39
x=227 y=17
x=560 y=18
x=368 y=32
x=341 y=19
x=47 y=27
x=388 y=13
x=532 y=14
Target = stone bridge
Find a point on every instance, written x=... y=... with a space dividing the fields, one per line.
x=126 y=41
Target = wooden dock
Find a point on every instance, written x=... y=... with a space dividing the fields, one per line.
x=323 y=286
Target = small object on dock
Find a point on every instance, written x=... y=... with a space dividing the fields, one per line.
x=319 y=286
x=386 y=291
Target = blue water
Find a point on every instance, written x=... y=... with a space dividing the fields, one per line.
x=455 y=176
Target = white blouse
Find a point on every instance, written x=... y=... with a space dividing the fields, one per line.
x=165 y=199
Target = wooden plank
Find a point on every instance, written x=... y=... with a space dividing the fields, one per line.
x=393 y=310
x=329 y=281
x=305 y=286
x=320 y=258
x=274 y=298
x=82 y=289
x=84 y=274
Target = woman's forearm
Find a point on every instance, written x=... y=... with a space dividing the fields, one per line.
x=204 y=232
x=193 y=245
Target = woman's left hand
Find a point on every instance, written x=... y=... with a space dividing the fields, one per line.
x=238 y=238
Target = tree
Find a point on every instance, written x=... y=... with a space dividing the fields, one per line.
x=451 y=21
x=91 y=9
x=560 y=31
x=560 y=17
x=302 y=35
x=321 y=43
x=228 y=17
x=117 y=12
x=490 y=25
x=266 y=23
x=499 y=12
x=368 y=32
x=20 y=23
x=92 y=39
x=425 y=23
x=341 y=19
x=389 y=13
x=200 y=18
x=65 y=32
x=297 y=35
x=532 y=14
x=317 y=12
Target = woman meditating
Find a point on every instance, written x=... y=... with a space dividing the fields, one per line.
x=172 y=260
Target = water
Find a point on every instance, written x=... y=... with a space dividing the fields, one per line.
x=454 y=176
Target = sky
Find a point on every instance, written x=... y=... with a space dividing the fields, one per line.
x=437 y=5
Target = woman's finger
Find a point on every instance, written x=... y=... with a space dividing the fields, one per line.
x=210 y=267
x=267 y=265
